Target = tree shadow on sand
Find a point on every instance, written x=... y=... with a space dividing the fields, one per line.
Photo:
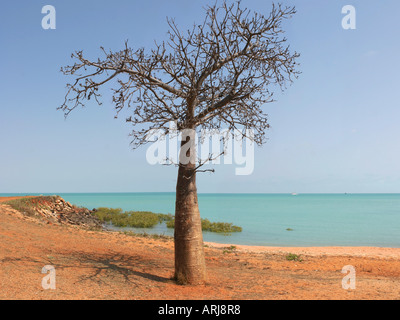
x=103 y=269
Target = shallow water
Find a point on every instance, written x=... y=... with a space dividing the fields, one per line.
x=315 y=219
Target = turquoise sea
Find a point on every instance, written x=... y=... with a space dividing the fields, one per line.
x=316 y=219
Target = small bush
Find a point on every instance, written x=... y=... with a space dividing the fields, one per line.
x=146 y=219
x=229 y=249
x=207 y=225
x=107 y=214
x=171 y=223
x=135 y=219
x=147 y=235
x=293 y=257
x=165 y=217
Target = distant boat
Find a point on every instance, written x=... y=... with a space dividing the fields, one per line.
x=294 y=194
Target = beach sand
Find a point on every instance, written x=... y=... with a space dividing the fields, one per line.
x=109 y=265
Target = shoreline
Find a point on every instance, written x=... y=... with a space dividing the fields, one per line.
x=358 y=251
x=353 y=251
x=334 y=250
x=105 y=265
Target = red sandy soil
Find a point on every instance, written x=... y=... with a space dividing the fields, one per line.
x=4 y=199
x=109 y=265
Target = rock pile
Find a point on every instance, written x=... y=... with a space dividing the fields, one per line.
x=56 y=210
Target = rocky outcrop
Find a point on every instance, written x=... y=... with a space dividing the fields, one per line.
x=56 y=210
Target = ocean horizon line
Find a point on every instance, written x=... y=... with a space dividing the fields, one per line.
x=205 y=193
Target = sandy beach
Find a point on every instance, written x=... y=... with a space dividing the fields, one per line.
x=110 y=265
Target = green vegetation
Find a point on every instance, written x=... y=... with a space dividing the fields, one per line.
x=229 y=249
x=135 y=219
x=146 y=219
x=293 y=257
x=207 y=225
x=220 y=227
x=28 y=205
x=119 y=218
x=147 y=235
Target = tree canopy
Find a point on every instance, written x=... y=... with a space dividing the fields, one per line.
x=217 y=74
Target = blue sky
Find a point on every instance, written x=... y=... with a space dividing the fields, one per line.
x=336 y=129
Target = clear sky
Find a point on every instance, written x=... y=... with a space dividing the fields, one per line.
x=336 y=129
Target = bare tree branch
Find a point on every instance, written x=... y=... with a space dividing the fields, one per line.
x=218 y=74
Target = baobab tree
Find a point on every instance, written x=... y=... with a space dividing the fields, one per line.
x=219 y=73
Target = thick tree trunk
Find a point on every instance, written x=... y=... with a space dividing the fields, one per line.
x=189 y=250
